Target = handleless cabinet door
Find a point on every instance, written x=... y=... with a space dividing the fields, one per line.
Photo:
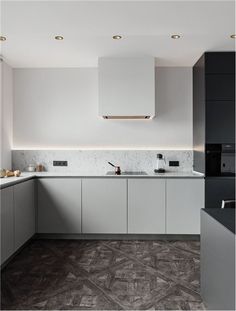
x=220 y=87
x=220 y=62
x=146 y=205
x=104 y=205
x=7 y=223
x=220 y=125
x=185 y=198
x=24 y=210
x=59 y=205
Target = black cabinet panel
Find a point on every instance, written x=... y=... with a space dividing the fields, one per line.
x=220 y=62
x=213 y=103
x=218 y=189
x=220 y=87
x=199 y=116
x=220 y=125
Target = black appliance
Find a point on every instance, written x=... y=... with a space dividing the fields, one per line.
x=220 y=160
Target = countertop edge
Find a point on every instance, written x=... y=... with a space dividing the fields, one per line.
x=11 y=181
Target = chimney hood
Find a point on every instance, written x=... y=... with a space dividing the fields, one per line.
x=126 y=87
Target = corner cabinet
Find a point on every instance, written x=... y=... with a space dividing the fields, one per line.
x=184 y=200
x=17 y=217
x=7 y=223
x=59 y=205
x=104 y=205
x=24 y=211
x=146 y=206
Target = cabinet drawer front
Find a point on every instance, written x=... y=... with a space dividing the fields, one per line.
x=104 y=205
x=146 y=206
x=185 y=198
x=59 y=205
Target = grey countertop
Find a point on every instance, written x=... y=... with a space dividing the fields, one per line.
x=9 y=181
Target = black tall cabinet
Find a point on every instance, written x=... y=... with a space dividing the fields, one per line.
x=214 y=124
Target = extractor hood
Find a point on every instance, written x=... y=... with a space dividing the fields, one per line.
x=126 y=87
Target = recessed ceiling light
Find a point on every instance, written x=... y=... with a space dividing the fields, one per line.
x=3 y=38
x=59 y=38
x=175 y=36
x=233 y=36
x=117 y=37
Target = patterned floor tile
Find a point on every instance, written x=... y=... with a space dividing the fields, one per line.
x=182 y=271
x=191 y=246
x=131 y=284
x=38 y=283
x=138 y=248
x=103 y=275
x=98 y=258
x=179 y=298
x=82 y=297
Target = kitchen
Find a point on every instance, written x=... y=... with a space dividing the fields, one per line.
x=84 y=83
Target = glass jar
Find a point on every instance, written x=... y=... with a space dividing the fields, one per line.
x=160 y=164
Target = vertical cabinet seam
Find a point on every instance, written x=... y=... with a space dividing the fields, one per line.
x=127 y=205
x=81 y=206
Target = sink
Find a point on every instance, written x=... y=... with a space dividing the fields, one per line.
x=128 y=173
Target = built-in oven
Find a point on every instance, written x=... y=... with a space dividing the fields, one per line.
x=220 y=160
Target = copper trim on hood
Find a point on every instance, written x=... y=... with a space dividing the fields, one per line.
x=127 y=117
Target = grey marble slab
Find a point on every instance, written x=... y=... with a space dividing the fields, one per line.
x=97 y=160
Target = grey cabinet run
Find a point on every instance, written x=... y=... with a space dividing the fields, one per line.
x=104 y=205
x=7 y=224
x=146 y=206
x=98 y=206
x=59 y=205
x=24 y=211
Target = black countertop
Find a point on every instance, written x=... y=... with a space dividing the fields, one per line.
x=225 y=216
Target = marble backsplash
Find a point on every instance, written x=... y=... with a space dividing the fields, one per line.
x=96 y=160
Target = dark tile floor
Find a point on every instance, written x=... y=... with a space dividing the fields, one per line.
x=103 y=275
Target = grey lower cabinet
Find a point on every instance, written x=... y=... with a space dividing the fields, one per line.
x=104 y=205
x=184 y=200
x=17 y=217
x=7 y=223
x=24 y=212
x=146 y=206
x=59 y=205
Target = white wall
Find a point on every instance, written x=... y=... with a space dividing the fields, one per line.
x=6 y=115
x=59 y=108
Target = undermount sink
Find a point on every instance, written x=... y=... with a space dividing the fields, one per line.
x=128 y=173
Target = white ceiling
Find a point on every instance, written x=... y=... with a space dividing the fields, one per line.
x=88 y=27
